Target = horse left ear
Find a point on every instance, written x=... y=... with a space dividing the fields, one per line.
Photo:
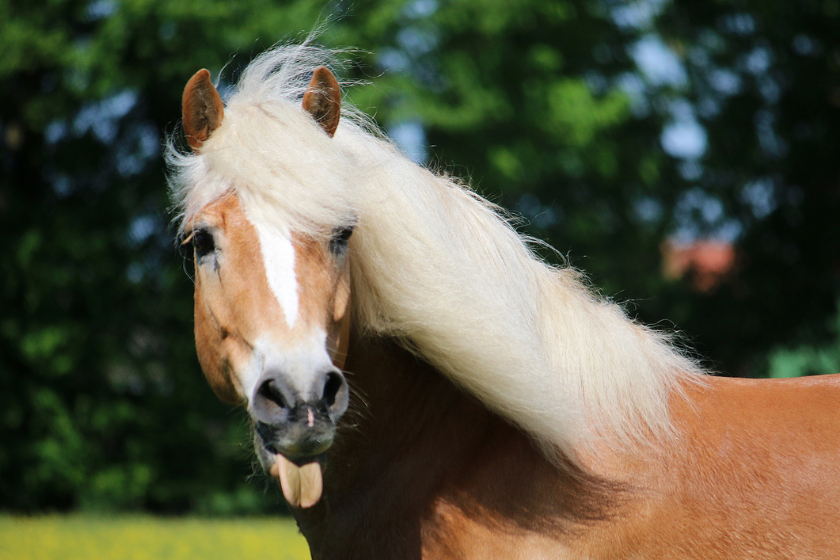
x=322 y=99
x=202 y=109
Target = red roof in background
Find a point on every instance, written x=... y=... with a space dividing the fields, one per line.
x=708 y=262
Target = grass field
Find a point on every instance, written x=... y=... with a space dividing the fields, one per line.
x=149 y=538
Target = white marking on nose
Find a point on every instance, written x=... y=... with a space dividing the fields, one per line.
x=278 y=254
x=296 y=364
x=310 y=417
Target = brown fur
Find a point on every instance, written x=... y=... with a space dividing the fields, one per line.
x=755 y=475
x=424 y=471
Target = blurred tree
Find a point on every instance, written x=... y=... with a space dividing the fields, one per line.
x=763 y=79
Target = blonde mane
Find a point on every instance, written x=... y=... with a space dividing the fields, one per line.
x=437 y=267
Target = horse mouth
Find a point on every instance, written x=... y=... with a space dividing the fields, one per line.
x=299 y=471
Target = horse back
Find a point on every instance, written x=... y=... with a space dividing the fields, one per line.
x=754 y=472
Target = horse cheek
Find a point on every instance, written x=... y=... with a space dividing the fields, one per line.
x=209 y=345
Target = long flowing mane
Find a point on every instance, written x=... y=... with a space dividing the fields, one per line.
x=437 y=267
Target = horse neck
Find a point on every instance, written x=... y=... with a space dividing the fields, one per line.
x=405 y=413
x=419 y=458
x=435 y=263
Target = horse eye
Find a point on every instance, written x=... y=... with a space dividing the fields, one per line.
x=202 y=241
x=340 y=238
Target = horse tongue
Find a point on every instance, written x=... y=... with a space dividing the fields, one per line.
x=302 y=485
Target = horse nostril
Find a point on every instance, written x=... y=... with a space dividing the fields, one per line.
x=335 y=382
x=273 y=400
x=271 y=393
x=278 y=402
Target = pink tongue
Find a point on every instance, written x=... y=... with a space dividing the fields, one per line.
x=302 y=486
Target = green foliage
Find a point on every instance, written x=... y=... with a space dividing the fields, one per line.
x=808 y=359
x=805 y=360
x=763 y=79
x=575 y=116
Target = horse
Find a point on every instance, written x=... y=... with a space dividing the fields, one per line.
x=422 y=385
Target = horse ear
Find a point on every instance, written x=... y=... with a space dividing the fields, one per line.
x=323 y=99
x=202 y=109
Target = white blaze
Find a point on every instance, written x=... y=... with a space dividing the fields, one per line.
x=278 y=254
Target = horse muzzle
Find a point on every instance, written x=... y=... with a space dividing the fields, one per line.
x=293 y=429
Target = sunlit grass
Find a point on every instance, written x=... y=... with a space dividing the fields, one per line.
x=149 y=538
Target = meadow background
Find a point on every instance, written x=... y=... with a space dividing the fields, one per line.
x=132 y=537
x=684 y=154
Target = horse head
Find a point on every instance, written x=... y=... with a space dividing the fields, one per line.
x=272 y=307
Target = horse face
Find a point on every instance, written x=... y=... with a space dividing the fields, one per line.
x=271 y=326
x=272 y=309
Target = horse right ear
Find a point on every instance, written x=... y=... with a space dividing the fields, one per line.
x=202 y=109
x=322 y=99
